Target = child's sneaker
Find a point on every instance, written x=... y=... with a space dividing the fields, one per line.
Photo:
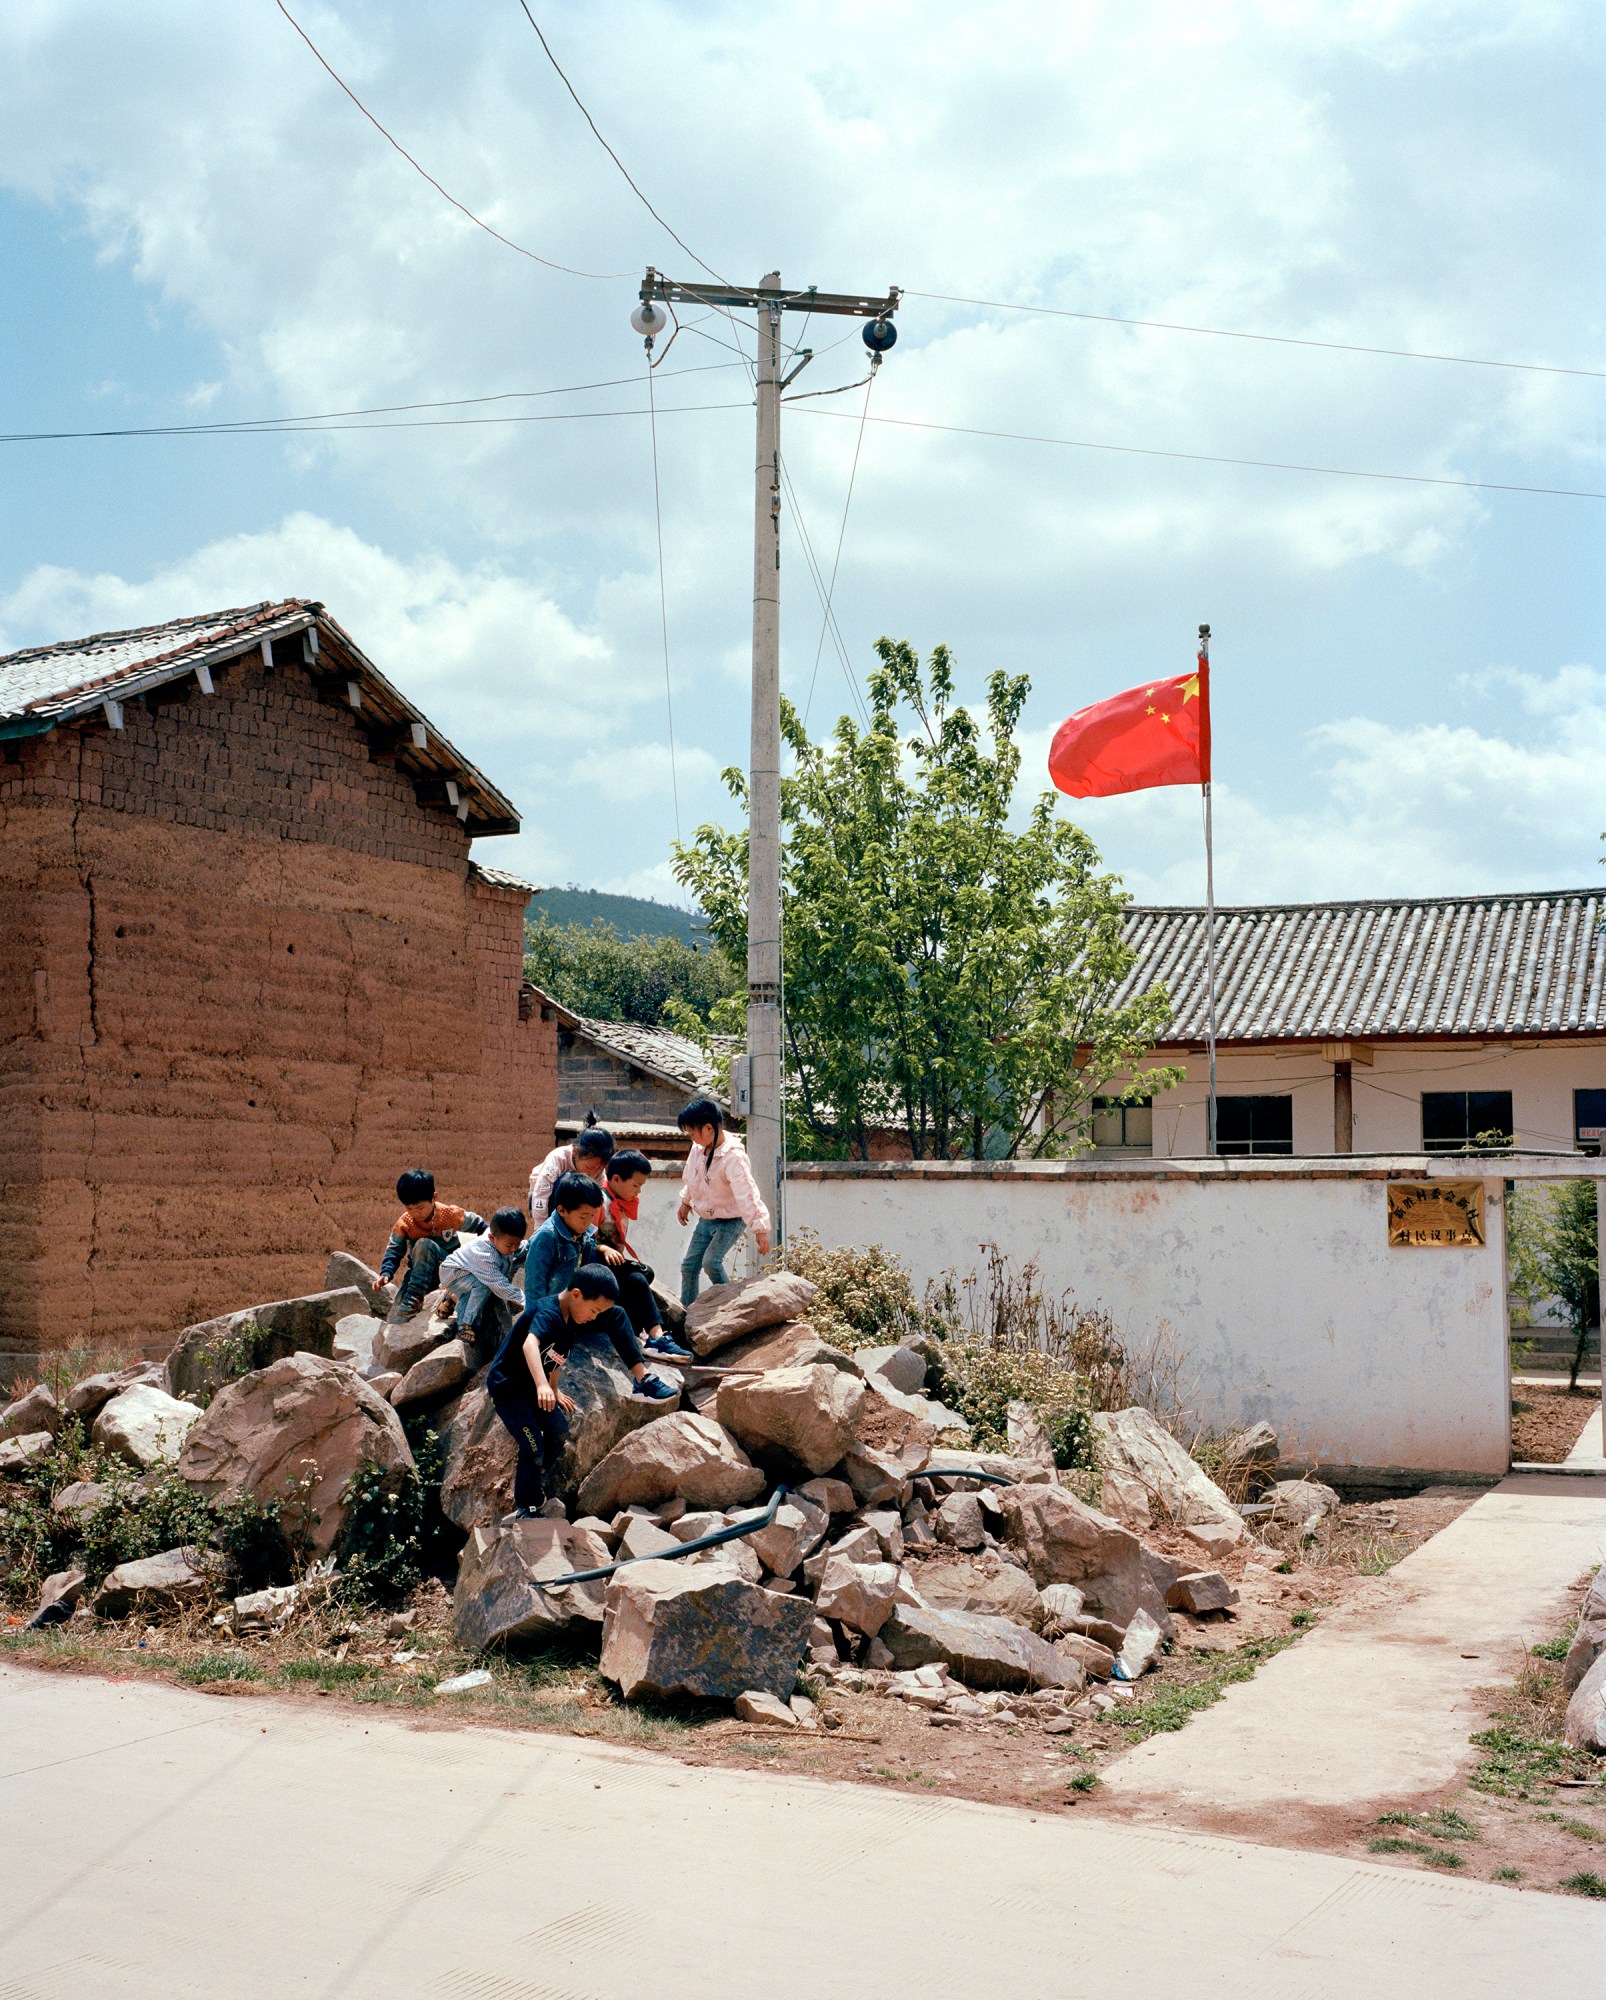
x=655 y=1389
x=667 y=1348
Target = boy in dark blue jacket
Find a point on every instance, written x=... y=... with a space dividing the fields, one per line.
x=566 y=1243
x=519 y=1383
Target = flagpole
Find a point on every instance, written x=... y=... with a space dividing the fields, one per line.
x=1210 y=912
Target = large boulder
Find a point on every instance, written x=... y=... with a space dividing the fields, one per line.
x=18 y=1453
x=215 y=1351
x=86 y=1399
x=1585 y=1726
x=1065 y=1541
x=400 y=1344
x=983 y=1652
x=166 y=1582
x=994 y=1588
x=606 y=1409
x=1302 y=1503
x=357 y=1336
x=802 y=1416
x=678 y=1457
x=295 y=1432
x=1022 y=1471
x=1150 y=1477
x=856 y=1594
x=723 y=1313
x=347 y=1273
x=902 y=1369
x=443 y=1370
x=792 y=1344
x=58 y=1599
x=37 y=1411
x=797 y=1530
x=502 y=1579
x=699 y=1628
x=1589 y=1641
x=880 y=1476
x=145 y=1424
x=477 y=1480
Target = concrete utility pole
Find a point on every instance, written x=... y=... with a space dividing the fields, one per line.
x=769 y=301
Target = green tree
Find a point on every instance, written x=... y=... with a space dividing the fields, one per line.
x=593 y=970
x=948 y=975
x=1554 y=1253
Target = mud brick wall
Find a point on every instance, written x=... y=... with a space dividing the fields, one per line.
x=247 y=980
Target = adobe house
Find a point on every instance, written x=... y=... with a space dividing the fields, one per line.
x=633 y=1080
x=250 y=973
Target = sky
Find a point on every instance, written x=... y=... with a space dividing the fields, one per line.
x=1409 y=678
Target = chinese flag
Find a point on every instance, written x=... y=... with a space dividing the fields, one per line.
x=1157 y=734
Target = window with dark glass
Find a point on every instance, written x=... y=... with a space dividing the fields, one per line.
x=1254 y=1124
x=1466 y=1121
x=1589 y=1120
x=1127 y=1128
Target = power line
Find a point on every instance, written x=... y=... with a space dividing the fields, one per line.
x=663 y=598
x=836 y=560
x=1275 y=339
x=612 y=155
x=817 y=577
x=462 y=207
x=270 y=424
x=405 y=424
x=1215 y=458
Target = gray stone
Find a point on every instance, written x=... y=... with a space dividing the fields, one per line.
x=879 y=1477
x=800 y=1416
x=983 y=1652
x=1589 y=1641
x=145 y=1424
x=1585 y=1727
x=681 y=1456
x=295 y=1432
x=836 y=1496
x=1140 y=1649
x=642 y=1537
x=798 y=1529
x=1149 y=1476
x=356 y=1337
x=218 y=1351
x=860 y=1545
x=1163 y=1572
x=87 y=1398
x=400 y=1345
x=1066 y=1541
x=992 y=1588
x=1098 y=1629
x=1061 y=1603
x=822 y=1644
x=58 y=1598
x=1302 y=1503
x=383 y=1381
x=1028 y=1435
x=605 y=1411
x=344 y=1272
x=1201 y=1591
x=699 y=1628
x=886 y=1524
x=1252 y=1452
x=83 y=1496
x=166 y=1582
x=431 y=1380
x=858 y=1595
x=958 y=1520
x=477 y=1483
x=768 y=1711
x=37 y=1411
x=503 y=1589
x=692 y=1527
x=1096 y=1661
x=1216 y=1540
x=792 y=1344
x=736 y=1554
x=900 y=1368
x=18 y=1453
x=723 y=1313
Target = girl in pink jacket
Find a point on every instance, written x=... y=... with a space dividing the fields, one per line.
x=718 y=1187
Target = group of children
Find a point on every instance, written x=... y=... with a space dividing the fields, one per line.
x=571 y=1266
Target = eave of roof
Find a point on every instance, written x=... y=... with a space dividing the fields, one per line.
x=66 y=690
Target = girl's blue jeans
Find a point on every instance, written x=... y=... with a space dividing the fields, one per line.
x=706 y=1252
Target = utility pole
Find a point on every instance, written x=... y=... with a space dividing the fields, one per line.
x=768 y=301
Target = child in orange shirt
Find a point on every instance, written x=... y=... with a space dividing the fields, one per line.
x=425 y=1232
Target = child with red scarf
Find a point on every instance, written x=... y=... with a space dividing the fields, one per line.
x=627 y=1173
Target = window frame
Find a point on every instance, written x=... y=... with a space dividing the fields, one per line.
x=1592 y=1148
x=1257 y=1145
x=1470 y=1124
x=1108 y=1107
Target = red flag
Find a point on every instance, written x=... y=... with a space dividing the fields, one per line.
x=1158 y=734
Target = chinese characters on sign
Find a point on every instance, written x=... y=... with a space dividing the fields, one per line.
x=1435 y=1214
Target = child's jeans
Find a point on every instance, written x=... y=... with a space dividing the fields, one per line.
x=538 y=1437
x=712 y=1237
x=424 y=1269
x=482 y=1318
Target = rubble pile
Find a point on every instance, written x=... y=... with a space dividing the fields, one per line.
x=794 y=1507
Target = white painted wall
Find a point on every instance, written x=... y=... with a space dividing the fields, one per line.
x=1541 y=1077
x=1277 y=1276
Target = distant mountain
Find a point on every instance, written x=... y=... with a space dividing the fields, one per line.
x=631 y=916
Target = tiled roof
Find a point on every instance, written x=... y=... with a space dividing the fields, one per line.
x=42 y=686
x=1527 y=964
x=499 y=878
x=675 y=1058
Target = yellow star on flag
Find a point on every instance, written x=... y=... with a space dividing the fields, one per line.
x=1190 y=688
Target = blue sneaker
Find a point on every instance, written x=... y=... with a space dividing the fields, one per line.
x=655 y=1389
x=667 y=1348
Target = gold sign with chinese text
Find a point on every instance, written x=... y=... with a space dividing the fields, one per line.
x=1436 y=1215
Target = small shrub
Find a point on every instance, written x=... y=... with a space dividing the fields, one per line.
x=396 y=1536
x=1550 y=1649
x=1435 y=1857
x=981 y=1381
x=1443 y=1823
x=867 y=1298
x=217 y=1667
x=1506 y=1875
x=1586 y=1883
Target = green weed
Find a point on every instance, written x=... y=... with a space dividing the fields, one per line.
x=1082 y=1781
x=1172 y=1705
x=1579 y=1829
x=1506 y=1875
x=1443 y=1823
x=1551 y=1649
x=1435 y=1857
x=1517 y=1761
x=1586 y=1883
x=218 y=1667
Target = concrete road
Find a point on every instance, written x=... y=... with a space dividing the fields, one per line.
x=157 y=1842
x=1373 y=1709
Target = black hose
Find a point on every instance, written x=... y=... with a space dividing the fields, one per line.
x=734 y=1533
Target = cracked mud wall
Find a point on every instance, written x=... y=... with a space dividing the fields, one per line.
x=247 y=979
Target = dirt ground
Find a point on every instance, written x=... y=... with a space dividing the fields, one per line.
x=1546 y=1419
x=863 y=1738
